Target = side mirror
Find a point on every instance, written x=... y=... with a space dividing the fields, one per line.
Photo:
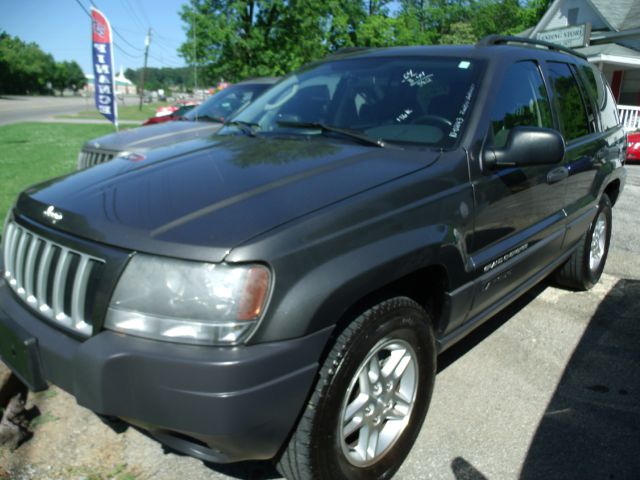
x=526 y=146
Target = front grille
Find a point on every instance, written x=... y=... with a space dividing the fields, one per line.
x=89 y=158
x=49 y=278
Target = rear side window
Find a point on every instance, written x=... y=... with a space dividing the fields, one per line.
x=521 y=101
x=574 y=122
x=599 y=90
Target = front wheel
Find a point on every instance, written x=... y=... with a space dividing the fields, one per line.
x=371 y=398
x=585 y=266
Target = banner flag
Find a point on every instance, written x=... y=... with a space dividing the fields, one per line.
x=103 y=75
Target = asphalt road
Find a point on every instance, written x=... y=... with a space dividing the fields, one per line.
x=548 y=389
x=17 y=108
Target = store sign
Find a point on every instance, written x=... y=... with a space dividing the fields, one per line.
x=574 y=36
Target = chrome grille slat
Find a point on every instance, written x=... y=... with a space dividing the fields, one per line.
x=43 y=277
x=19 y=268
x=29 y=270
x=79 y=293
x=8 y=250
x=59 y=284
x=32 y=263
x=89 y=158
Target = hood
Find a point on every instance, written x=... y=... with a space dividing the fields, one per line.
x=153 y=136
x=199 y=199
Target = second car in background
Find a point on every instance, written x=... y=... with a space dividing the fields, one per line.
x=201 y=121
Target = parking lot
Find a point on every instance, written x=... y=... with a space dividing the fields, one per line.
x=550 y=388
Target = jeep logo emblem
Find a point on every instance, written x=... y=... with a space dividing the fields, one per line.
x=52 y=214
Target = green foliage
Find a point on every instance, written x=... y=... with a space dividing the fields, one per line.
x=33 y=152
x=165 y=77
x=68 y=75
x=25 y=68
x=235 y=39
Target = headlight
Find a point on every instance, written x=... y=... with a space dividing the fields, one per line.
x=188 y=302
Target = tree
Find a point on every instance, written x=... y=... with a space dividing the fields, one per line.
x=235 y=39
x=24 y=67
x=68 y=75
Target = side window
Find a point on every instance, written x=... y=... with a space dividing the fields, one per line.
x=609 y=111
x=599 y=90
x=572 y=114
x=521 y=101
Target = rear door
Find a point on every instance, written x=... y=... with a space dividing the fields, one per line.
x=586 y=147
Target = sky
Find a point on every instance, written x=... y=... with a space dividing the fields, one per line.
x=63 y=29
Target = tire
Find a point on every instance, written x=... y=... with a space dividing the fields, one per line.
x=331 y=439
x=585 y=266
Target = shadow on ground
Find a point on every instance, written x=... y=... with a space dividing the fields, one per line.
x=591 y=427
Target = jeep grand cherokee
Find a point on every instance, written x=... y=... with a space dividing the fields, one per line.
x=282 y=289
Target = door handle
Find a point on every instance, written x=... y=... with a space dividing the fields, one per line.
x=557 y=174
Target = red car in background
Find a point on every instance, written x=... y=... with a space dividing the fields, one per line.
x=221 y=104
x=170 y=113
x=633 y=147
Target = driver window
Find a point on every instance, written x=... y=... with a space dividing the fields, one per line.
x=521 y=101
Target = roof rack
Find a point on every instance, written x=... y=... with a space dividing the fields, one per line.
x=504 y=39
x=346 y=50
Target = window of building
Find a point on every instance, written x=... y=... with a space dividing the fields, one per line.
x=572 y=16
x=521 y=101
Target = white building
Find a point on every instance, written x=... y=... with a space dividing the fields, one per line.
x=608 y=33
x=124 y=86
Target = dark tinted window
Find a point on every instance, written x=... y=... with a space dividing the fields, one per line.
x=572 y=114
x=226 y=102
x=521 y=101
x=599 y=89
x=609 y=112
x=412 y=100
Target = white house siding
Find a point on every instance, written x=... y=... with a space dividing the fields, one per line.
x=586 y=14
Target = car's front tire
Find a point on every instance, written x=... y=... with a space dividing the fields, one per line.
x=370 y=400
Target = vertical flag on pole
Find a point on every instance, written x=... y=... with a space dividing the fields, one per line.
x=104 y=80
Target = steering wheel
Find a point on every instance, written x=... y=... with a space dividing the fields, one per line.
x=433 y=120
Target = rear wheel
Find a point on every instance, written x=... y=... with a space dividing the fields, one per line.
x=370 y=400
x=585 y=266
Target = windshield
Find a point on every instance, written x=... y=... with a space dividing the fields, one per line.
x=418 y=100
x=221 y=105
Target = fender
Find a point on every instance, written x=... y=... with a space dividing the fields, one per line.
x=326 y=262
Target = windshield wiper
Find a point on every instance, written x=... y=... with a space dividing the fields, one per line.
x=329 y=128
x=210 y=118
x=248 y=128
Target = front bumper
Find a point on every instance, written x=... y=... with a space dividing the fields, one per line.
x=218 y=404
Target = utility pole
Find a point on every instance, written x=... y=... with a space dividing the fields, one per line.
x=147 y=42
x=195 y=58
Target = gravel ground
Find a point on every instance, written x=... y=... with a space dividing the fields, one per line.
x=548 y=389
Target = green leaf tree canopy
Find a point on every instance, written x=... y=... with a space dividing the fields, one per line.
x=25 y=68
x=236 y=39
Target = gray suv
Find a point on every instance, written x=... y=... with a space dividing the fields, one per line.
x=282 y=289
x=202 y=121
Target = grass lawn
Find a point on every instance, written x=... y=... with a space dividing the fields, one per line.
x=126 y=112
x=33 y=152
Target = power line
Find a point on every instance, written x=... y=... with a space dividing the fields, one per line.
x=133 y=15
x=166 y=62
x=118 y=33
x=124 y=52
x=144 y=13
x=83 y=8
